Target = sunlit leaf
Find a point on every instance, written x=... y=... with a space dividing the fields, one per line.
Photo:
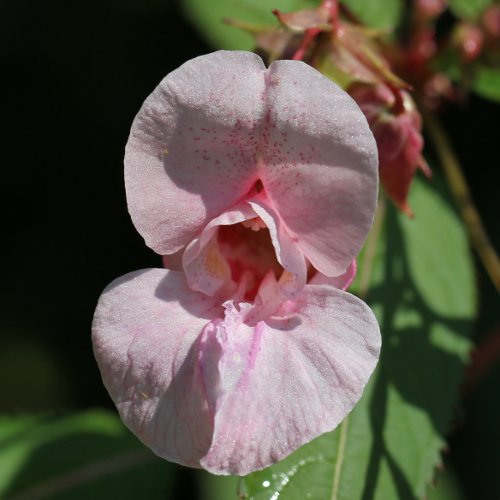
x=87 y=455
x=422 y=291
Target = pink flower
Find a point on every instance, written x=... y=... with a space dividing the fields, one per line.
x=258 y=186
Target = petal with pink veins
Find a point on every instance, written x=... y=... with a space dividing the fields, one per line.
x=289 y=379
x=155 y=362
x=205 y=388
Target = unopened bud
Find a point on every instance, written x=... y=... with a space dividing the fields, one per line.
x=396 y=125
x=469 y=39
x=491 y=21
x=430 y=9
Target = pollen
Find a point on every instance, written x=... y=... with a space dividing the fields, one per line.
x=214 y=262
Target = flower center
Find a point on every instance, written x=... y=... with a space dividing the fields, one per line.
x=248 y=250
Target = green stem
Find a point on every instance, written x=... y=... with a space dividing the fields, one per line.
x=344 y=426
x=240 y=489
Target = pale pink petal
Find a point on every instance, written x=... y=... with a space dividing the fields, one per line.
x=191 y=150
x=286 y=380
x=287 y=251
x=220 y=123
x=319 y=167
x=341 y=282
x=155 y=360
x=208 y=272
x=206 y=268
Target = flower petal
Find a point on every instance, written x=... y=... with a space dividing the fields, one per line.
x=341 y=282
x=220 y=123
x=320 y=165
x=287 y=380
x=155 y=361
x=191 y=150
x=205 y=267
x=287 y=252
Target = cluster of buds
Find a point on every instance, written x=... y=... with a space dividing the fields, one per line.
x=332 y=40
x=470 y=44
x=473 y=39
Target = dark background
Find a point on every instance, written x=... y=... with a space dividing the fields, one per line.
x=74 y=75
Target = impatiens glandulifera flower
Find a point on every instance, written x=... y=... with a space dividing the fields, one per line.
x=258 y=186
x=396 y=125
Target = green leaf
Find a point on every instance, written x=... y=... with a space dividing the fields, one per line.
x=487 y=83
x=88 y=455
x=469 y=9
x=422 y=291
x=377 y=13
x=208 y=16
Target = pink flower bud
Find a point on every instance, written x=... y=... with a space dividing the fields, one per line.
x=396 y=125
x=491 y=21
x=469 y=39
x=430 y=9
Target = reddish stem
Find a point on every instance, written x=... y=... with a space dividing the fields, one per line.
x=398 y=106
x=307 y=40
x=332 y=7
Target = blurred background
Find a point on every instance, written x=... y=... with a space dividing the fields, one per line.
x=74 y=75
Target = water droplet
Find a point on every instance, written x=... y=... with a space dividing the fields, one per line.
x=266 y=484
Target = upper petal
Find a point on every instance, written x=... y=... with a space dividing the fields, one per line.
x=320 y=165
x=155 y=361
x=288 y=379
x=220 y=122
x=191 y=150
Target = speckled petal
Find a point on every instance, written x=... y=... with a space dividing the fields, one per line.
x=155 y=361
x=319 y=168
x=286 y=380
x=222 y=122
x=191 y=150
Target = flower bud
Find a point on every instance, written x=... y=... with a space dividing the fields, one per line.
x=469 y=39
x=396 y=125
